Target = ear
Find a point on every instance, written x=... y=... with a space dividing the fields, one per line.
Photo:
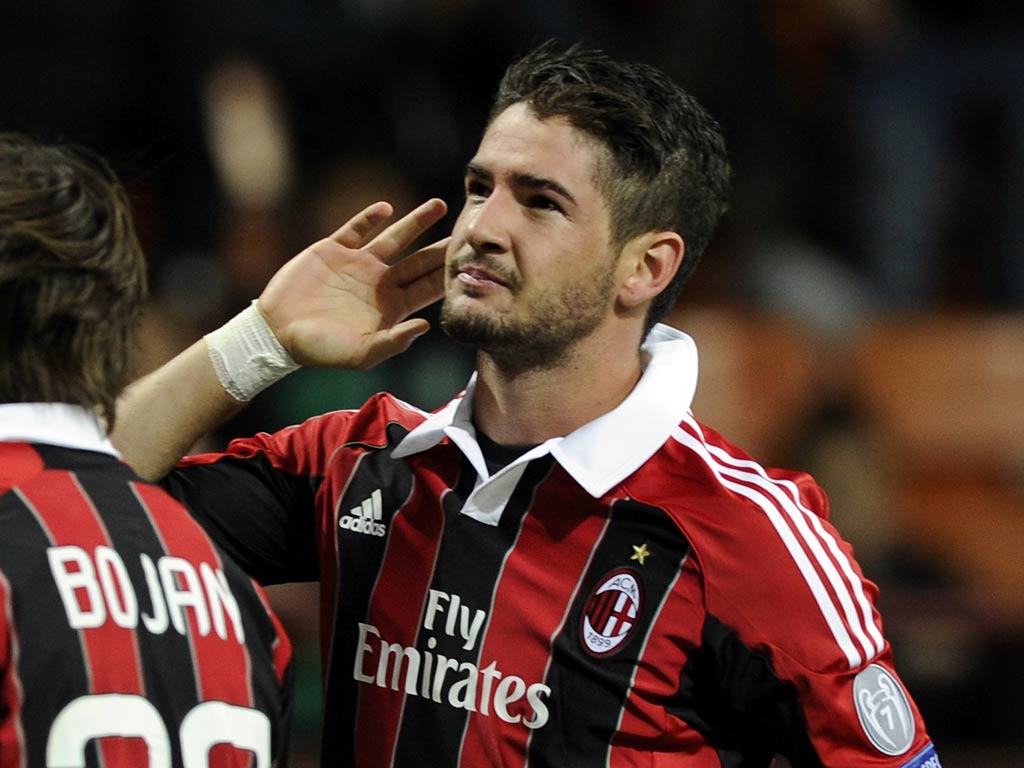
x=648 y=263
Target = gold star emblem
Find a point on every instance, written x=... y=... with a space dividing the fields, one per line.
x=640 y=553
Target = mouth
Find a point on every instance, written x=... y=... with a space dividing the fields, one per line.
x=479 y=276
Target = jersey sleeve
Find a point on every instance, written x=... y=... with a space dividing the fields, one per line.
x=864 y=716
x=257 y=499
x=798 y=609
x=793 y=658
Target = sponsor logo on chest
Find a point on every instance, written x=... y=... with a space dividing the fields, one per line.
x=462 y=684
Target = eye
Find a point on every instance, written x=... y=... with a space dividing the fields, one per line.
x=544 y=203
x=476 y=188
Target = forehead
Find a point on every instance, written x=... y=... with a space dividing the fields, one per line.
x=517 y=142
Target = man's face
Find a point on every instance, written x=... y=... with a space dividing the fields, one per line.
x=530 y=268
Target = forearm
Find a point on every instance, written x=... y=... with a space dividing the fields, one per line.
x=162 y=415
x=336 y=304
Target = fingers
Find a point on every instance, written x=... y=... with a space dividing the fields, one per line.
x=357 y=230
x=401 y=336
x=387 y=245
x=418 y=278
x=392 y=341
x=403 y=233
x=427 y=289
x=418 y=264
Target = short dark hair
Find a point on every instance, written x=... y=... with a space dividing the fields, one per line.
x=669 y=169
x=72 y=277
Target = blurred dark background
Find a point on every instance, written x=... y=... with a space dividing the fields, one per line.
x=860 y=313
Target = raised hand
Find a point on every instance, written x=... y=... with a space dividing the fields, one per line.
x=344 y=301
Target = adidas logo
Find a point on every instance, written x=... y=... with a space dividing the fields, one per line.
x=366 y=517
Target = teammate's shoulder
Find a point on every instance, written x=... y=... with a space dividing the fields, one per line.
x=24 y=464
x=19 y=462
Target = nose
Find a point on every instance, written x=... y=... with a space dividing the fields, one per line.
x=488 y=223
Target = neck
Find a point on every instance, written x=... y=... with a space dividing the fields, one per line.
x=514 y=406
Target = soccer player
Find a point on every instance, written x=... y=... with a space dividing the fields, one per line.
x=561 y=567
x=127 y=640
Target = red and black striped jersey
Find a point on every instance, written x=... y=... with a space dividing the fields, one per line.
x=637 y=593
x=127 y=640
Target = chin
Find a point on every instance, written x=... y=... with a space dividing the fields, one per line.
x=474 y=325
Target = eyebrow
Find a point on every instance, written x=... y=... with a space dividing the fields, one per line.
x=523 y=180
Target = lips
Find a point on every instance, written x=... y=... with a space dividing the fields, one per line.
x=477 y=273
x=478 y=277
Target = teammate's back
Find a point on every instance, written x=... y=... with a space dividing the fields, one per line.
x=126 y=639
x=123 y=631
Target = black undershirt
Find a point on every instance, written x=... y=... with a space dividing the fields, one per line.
x=498 y=456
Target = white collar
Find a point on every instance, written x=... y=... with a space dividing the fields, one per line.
x=608 y=449
x=69 y=426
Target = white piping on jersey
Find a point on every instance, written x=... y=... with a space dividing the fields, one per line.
x=780 y=503
x=419 y=622
x=802 y=516
x=193 y=656
x=336 y=513
x=565 y=615
x=641 y=653
x=53 y=542
x=490 y=615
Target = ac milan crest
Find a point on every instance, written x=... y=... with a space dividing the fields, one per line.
x=611 y=612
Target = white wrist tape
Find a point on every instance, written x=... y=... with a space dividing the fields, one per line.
x=247 y=356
